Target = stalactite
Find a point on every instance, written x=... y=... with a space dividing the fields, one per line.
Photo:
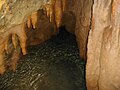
x=15 y=33
x=34 y=17
x=14 y=40
x=64 y=4
x=2 y=61
x=6 y=45
x=58 y=12
x=29 y=22
x=47 y=8
x=54 y=11
x=51 y=13
x=22 y=37
x=14 y=59
x=3 y=50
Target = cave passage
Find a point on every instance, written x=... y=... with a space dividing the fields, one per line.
x=52 y=65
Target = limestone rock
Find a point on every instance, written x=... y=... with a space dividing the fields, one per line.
x=102 y=69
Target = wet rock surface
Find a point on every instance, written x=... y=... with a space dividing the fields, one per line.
x=53 y=65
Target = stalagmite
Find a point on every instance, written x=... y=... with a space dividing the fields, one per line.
x=34 y=18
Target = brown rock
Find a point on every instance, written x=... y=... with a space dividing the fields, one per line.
x=102 y=70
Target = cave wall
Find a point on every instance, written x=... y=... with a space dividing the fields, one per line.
x=43 y=30
x=77 y=19
x=83 y=19
x=97 y=35
x=103 y=58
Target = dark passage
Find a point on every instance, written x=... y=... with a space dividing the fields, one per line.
x=53 y=65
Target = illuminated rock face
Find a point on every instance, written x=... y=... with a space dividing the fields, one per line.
x=103 y=56
x=83 y=18
x=77 y=20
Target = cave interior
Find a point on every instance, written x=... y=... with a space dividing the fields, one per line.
x=59 y=44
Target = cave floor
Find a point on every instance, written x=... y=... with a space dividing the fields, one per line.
x=53 y=65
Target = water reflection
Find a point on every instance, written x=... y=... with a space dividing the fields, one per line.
x=53 y=65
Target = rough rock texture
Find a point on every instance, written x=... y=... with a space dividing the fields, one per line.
x=15 y=15
x=69 y=18
x=83 y=17
x=44 y=30
x=77 y=17
x=103 y=63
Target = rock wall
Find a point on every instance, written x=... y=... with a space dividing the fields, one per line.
x=83 y=19
x=103 y=63
x=77 y=19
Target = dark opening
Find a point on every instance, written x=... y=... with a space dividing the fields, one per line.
x=52 y=65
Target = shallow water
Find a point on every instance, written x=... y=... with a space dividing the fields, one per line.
x=53 y=65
